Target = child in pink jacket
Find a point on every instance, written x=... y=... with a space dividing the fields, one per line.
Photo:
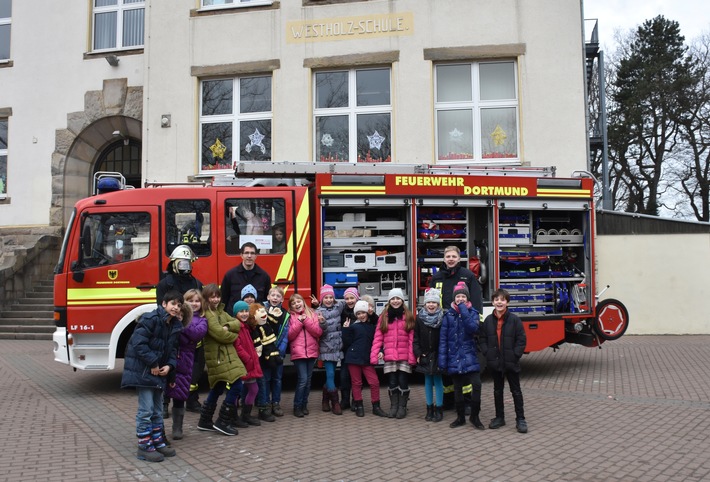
x=303 y=335
x=395 y=334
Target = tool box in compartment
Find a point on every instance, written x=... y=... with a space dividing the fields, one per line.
x=359 y=260
x=340 y=282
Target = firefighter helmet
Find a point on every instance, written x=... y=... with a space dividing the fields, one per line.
x=183 y=252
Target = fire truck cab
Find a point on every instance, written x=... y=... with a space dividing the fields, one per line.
x=375 y=227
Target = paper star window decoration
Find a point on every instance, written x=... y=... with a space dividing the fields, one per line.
x=327 y=140
x=499 y=136
x=218 y=149
x=255 y=140
x=375 y=140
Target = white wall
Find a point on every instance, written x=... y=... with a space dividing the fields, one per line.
x=662 y=279
x=551 y=72
x=47 y=81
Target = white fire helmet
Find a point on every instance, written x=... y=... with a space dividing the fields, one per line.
x=182 y=258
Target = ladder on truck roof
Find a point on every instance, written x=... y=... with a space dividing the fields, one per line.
x=308 y=170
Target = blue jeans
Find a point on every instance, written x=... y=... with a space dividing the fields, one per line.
x=270 y=384
x=330 y=375
x=433 y=386
x=150 y=409
x=304 y=369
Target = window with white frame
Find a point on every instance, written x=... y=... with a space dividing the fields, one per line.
x=3 y=157
x=118 y=24
x=235 y=108
x=353 y=115
x=477 y=116
x=234 y=3
x=5 y=24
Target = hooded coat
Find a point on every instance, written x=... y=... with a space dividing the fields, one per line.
x=189 y=337
x=152 y=344
x=457 y=340
x=223 y=363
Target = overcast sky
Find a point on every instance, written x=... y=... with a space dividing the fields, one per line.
x=692 y=15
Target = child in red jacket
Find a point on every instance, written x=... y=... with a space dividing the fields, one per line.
x=248 y=355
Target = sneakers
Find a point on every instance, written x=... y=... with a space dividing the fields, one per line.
x=521 y=425
x=497 y=422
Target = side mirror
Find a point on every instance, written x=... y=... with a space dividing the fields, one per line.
x=77 y=273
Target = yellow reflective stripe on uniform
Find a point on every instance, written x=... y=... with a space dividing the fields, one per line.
x=109 y=296
x=467 y=388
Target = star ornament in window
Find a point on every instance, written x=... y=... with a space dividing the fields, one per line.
x=327 y=140
x=255 y=140
x=375 y=140
x=455 y=134
x=499 y=136
x=218 y=149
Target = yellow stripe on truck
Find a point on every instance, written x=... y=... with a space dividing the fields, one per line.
x=286 y=268
x=109 y=296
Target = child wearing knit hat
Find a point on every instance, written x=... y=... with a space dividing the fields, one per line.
x=357 y=343
x=394 y=336
x=249 y=294
x=426 y=349
x=329 y=313
x=458 y=354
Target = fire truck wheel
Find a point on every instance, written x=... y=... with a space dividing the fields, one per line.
x=612 y=319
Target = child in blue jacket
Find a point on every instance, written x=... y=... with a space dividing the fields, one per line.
x=150 y=356
x=458 y=357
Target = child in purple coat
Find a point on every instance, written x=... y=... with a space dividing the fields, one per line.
x=194 y=330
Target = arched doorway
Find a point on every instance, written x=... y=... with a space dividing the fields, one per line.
x=122 y=156
x=106 y=135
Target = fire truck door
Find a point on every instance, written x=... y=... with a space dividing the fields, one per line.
x=266 y=218
x=114 y=266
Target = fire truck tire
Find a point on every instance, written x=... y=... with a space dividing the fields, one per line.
x=612 y=319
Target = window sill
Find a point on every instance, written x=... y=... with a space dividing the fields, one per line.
x=227 y=9
x=4 y=200
x=119 y=53
x=6 y=63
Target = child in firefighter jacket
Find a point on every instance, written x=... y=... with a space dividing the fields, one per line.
x=269 y=397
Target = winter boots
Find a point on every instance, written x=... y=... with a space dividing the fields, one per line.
x=178 y=417
x=326 y=400
x=277 y=410
x=158 y=441
x=247 y=417
x=334 y=402
x=475 y=412
x=265 y=414
x=193 y=403
x=206 y=414
x=460 y=415
x=394 y=401
x=345 y=400
x=146 y=450
x=499 y=421
x=429 y=413
x=438 y=414
x=377 y=410
x=359 y=409
x=402 y=407
x=224 y=420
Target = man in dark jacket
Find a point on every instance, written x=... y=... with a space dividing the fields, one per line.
x=245 y=273
x=451 y=274
x=503 y=341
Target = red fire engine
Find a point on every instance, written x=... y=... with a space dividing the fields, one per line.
x=377 y=227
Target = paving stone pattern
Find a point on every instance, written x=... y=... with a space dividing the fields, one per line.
x=635 y=410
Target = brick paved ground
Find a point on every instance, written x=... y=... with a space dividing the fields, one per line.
x=636 y=410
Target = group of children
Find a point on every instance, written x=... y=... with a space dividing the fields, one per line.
x=245 y=346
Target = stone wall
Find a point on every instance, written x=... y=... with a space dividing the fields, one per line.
x=27 y=255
